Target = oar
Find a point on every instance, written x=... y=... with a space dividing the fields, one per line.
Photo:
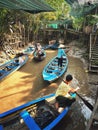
x=85 y=101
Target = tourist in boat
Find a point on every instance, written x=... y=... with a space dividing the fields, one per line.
x=63 y=92
x=21 y=60
x=39 y=50
x=38 y=47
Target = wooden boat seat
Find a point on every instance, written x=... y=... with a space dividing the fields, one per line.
x=52 y=68
x=15 y=63
x=54 y=64
x=52 y=71
x=64 y=61
x=29 y=121
x=1 y=127
x=11 y=66
x=57 y=73
x=48 y=71
x=64 y=58
x=8 y=68
x=56 y=60
x=2 y=72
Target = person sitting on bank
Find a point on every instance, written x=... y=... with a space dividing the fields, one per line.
x=63 y=97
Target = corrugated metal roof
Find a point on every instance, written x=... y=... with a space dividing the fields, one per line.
x=32 y=6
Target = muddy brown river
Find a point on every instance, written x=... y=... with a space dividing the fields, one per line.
x=27 y=84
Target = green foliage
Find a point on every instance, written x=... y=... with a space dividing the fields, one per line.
x=11 y=18
x=62 y=9
x=78 y=22
x=33 y=22
x=3 y=21
x=91 y=19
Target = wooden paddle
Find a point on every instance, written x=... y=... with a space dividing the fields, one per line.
x=85 y=101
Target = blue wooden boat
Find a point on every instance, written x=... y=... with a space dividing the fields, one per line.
x=11 y=66
x=29 y=50
x=37 y=114
x=52 y=46
x=51 y=71
x=39 y=56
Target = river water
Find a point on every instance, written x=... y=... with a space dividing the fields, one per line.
x=27 y=84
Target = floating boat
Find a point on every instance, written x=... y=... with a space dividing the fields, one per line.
x=11 y=66
x=51 y=71
x=29 y=50
x=37 y=114
x=39 y=56
x=53 y=46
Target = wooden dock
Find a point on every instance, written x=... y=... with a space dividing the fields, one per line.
x=93 y=53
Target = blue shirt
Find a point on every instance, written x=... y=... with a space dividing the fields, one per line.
x=60 y=53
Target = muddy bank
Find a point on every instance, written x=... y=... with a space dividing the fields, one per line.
x=80 y=51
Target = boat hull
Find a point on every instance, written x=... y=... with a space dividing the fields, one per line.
x=11 y=66
x=52 y=72
x=52 y=46
x=30 y=115
x=29 y=50
x=39 y=57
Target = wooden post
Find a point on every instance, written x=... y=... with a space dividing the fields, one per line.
x=65 y=37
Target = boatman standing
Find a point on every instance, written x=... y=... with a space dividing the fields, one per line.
x=60 y=57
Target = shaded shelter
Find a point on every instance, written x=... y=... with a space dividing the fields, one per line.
x=31 y=6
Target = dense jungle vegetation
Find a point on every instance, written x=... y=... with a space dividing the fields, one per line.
x=26 y=23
